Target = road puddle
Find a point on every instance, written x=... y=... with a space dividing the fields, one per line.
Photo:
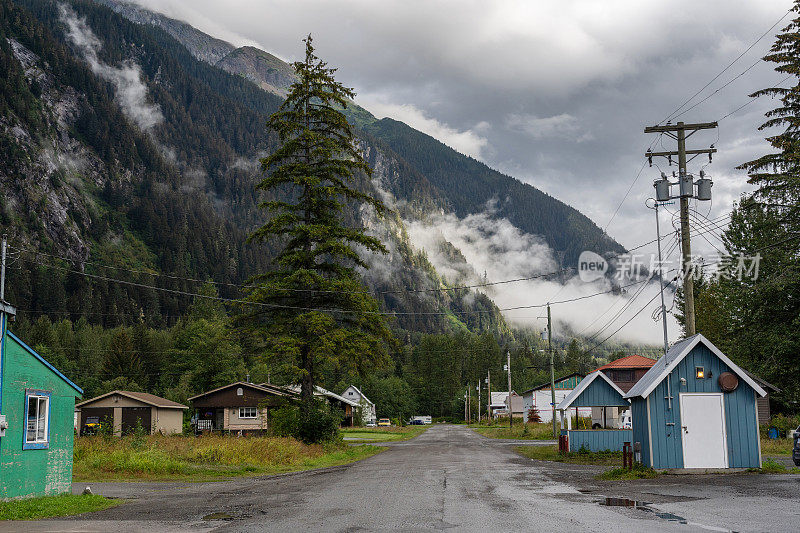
x=218 y=516
x=645 y=506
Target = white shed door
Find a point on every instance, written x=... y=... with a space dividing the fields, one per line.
x=703 y=431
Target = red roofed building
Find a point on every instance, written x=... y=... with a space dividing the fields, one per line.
x=625 y=372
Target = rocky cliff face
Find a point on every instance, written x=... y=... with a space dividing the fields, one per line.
x=260 y=67
x=47 y=174
x=202 y=46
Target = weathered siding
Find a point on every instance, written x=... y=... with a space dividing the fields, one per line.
x=640 y=429
x=40 y=471
x=598 y=440
x=599 y=392
x=665 y=421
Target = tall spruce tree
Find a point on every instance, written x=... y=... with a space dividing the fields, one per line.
x=313 y=310
x=777 y=174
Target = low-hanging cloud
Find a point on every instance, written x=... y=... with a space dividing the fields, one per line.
x=493 y=249
x=468 y=142
x=131 y=90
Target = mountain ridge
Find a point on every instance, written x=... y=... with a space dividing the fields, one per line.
x=562 y=226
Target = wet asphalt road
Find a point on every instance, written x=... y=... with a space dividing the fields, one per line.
x=449 y=478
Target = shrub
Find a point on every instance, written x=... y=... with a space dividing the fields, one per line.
x=317 y=423
x=782 y=423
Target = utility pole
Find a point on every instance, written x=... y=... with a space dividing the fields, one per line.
x=478 y=388
x=489 y=395
x=552 y=369
x=685 y=181
x=469 y=407
x=510 y=409
x=661 y=275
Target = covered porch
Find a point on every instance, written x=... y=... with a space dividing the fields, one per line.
x=596 y=391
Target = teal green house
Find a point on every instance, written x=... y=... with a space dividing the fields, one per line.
x=37 y=404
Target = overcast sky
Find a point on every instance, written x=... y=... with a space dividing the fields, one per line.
x=555 y=94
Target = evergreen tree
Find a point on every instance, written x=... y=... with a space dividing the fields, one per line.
x=777 y=174
x=312 y=309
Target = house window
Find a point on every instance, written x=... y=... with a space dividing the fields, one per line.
x=37 y=419
x=248 y=412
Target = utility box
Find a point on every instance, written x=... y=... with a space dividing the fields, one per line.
x=704 y=188
x=662 y=189
x=687 y=185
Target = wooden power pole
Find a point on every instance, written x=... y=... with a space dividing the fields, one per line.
x=552 y=370
x=678 y=132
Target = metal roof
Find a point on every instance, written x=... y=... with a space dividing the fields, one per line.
x=557 y=381
x=324 y=392
x=582 y=386
x=675 y=355
x=631 y=361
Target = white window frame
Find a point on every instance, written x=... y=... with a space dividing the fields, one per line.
x=41 y=435
x=244 y=417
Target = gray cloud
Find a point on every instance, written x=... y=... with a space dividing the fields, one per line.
x=131 y=91
x=554 y=93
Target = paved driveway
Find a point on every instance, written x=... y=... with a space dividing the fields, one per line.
x=449 y=478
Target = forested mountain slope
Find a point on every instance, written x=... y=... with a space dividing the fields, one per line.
x=127 y=151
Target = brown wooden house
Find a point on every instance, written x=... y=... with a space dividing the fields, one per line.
x=240 y=407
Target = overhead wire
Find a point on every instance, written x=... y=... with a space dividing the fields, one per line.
x=724 y=70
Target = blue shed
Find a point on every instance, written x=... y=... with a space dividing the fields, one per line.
x=695 y=408
x=595 y=390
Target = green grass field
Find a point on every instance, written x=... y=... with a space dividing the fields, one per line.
x=160 y=458
x=776 y=446
x=49 y=506
x=385 y=434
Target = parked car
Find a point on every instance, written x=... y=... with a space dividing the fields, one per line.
x=384 y=422
x=796 y=450
x=370 y=424
x=93 y=426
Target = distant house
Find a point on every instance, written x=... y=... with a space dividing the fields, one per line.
x=368 y=414
x=499 y=404
x=36 y=416
x=127 y=410
x=695 y=408
x=764 y=411
x=240 y=407
x=346 y=405
x=541 y=398
x=624 y=373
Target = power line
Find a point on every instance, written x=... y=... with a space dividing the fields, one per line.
x=751 y=100
x=326 y=310
x=724 y=70
x=288 y=289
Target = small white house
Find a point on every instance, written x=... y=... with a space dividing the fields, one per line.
x=368 y=415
